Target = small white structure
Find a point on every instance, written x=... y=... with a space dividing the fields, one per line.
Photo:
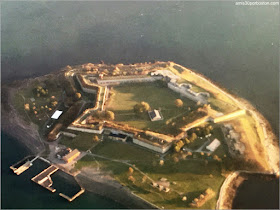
x=155 y=115
x=214 y=145
x=56 y=114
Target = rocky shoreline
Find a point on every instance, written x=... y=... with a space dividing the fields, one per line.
x=14 y=125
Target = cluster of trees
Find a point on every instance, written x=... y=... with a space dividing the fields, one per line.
x=40 y=91
x=67 y=86
x=141 y=107
x=178 y=145
x=130 y=173
x=104 y=115
x=200 y=131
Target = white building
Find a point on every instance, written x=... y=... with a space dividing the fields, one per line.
x=214 y=145
x=56 y=114
x=155 y=115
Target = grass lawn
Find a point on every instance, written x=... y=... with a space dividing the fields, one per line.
x=219 y=101
x=83 y=141
x=125 y=151
x=86 y=161
x=157 y=95
x=191 y=176
x=23 y=96
x=223 y=148
x=198 y=142
x=221 y=106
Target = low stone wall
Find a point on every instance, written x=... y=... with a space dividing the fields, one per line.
x=87 y=90
x=185 y=93
x=87 y=130
x=129 y=80
x=118 y=131
x=72 y=135
x=152 y=147
x=230 y=116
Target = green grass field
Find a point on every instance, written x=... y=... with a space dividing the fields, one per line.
x=83 y=141
x=188 y=177
x=157 y=95
x=125 y=151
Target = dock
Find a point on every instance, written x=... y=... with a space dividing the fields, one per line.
x=44 y=178
x=23 y=167
x=75 y=196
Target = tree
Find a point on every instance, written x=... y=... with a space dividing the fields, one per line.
x=54 y=103
x=78 y=95
x=130 y=170
x=144 y=179
x=109 y=115
x=178 y=145
x=177 y=149
x=95 y=138
x=186 y=140
x=131 y=178
x=27 y=107
x=43 y=92
x=193 y=137
x=179 y=103
x=145 y=105
x=141 y=107
x=198 y=132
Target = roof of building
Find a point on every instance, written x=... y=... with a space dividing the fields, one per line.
x=214 y=145
x=56 y=114
x=166 y=73
x=71 y=154
x=155 y=115
x=122 y=136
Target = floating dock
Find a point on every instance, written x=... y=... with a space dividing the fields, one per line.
x=44 y=178
x=75 y=196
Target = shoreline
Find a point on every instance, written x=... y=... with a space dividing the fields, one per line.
x=111 y=189
x=269 y=144
x=11 y=121
x=28 y=135
x=230 y=186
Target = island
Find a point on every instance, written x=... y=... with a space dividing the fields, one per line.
x=148 y=135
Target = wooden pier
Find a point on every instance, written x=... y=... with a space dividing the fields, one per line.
x=44 y=178
x=74 y=197
x=24 y=166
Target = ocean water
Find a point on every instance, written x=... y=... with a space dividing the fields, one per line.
x=236 y=46
x=19 y=192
